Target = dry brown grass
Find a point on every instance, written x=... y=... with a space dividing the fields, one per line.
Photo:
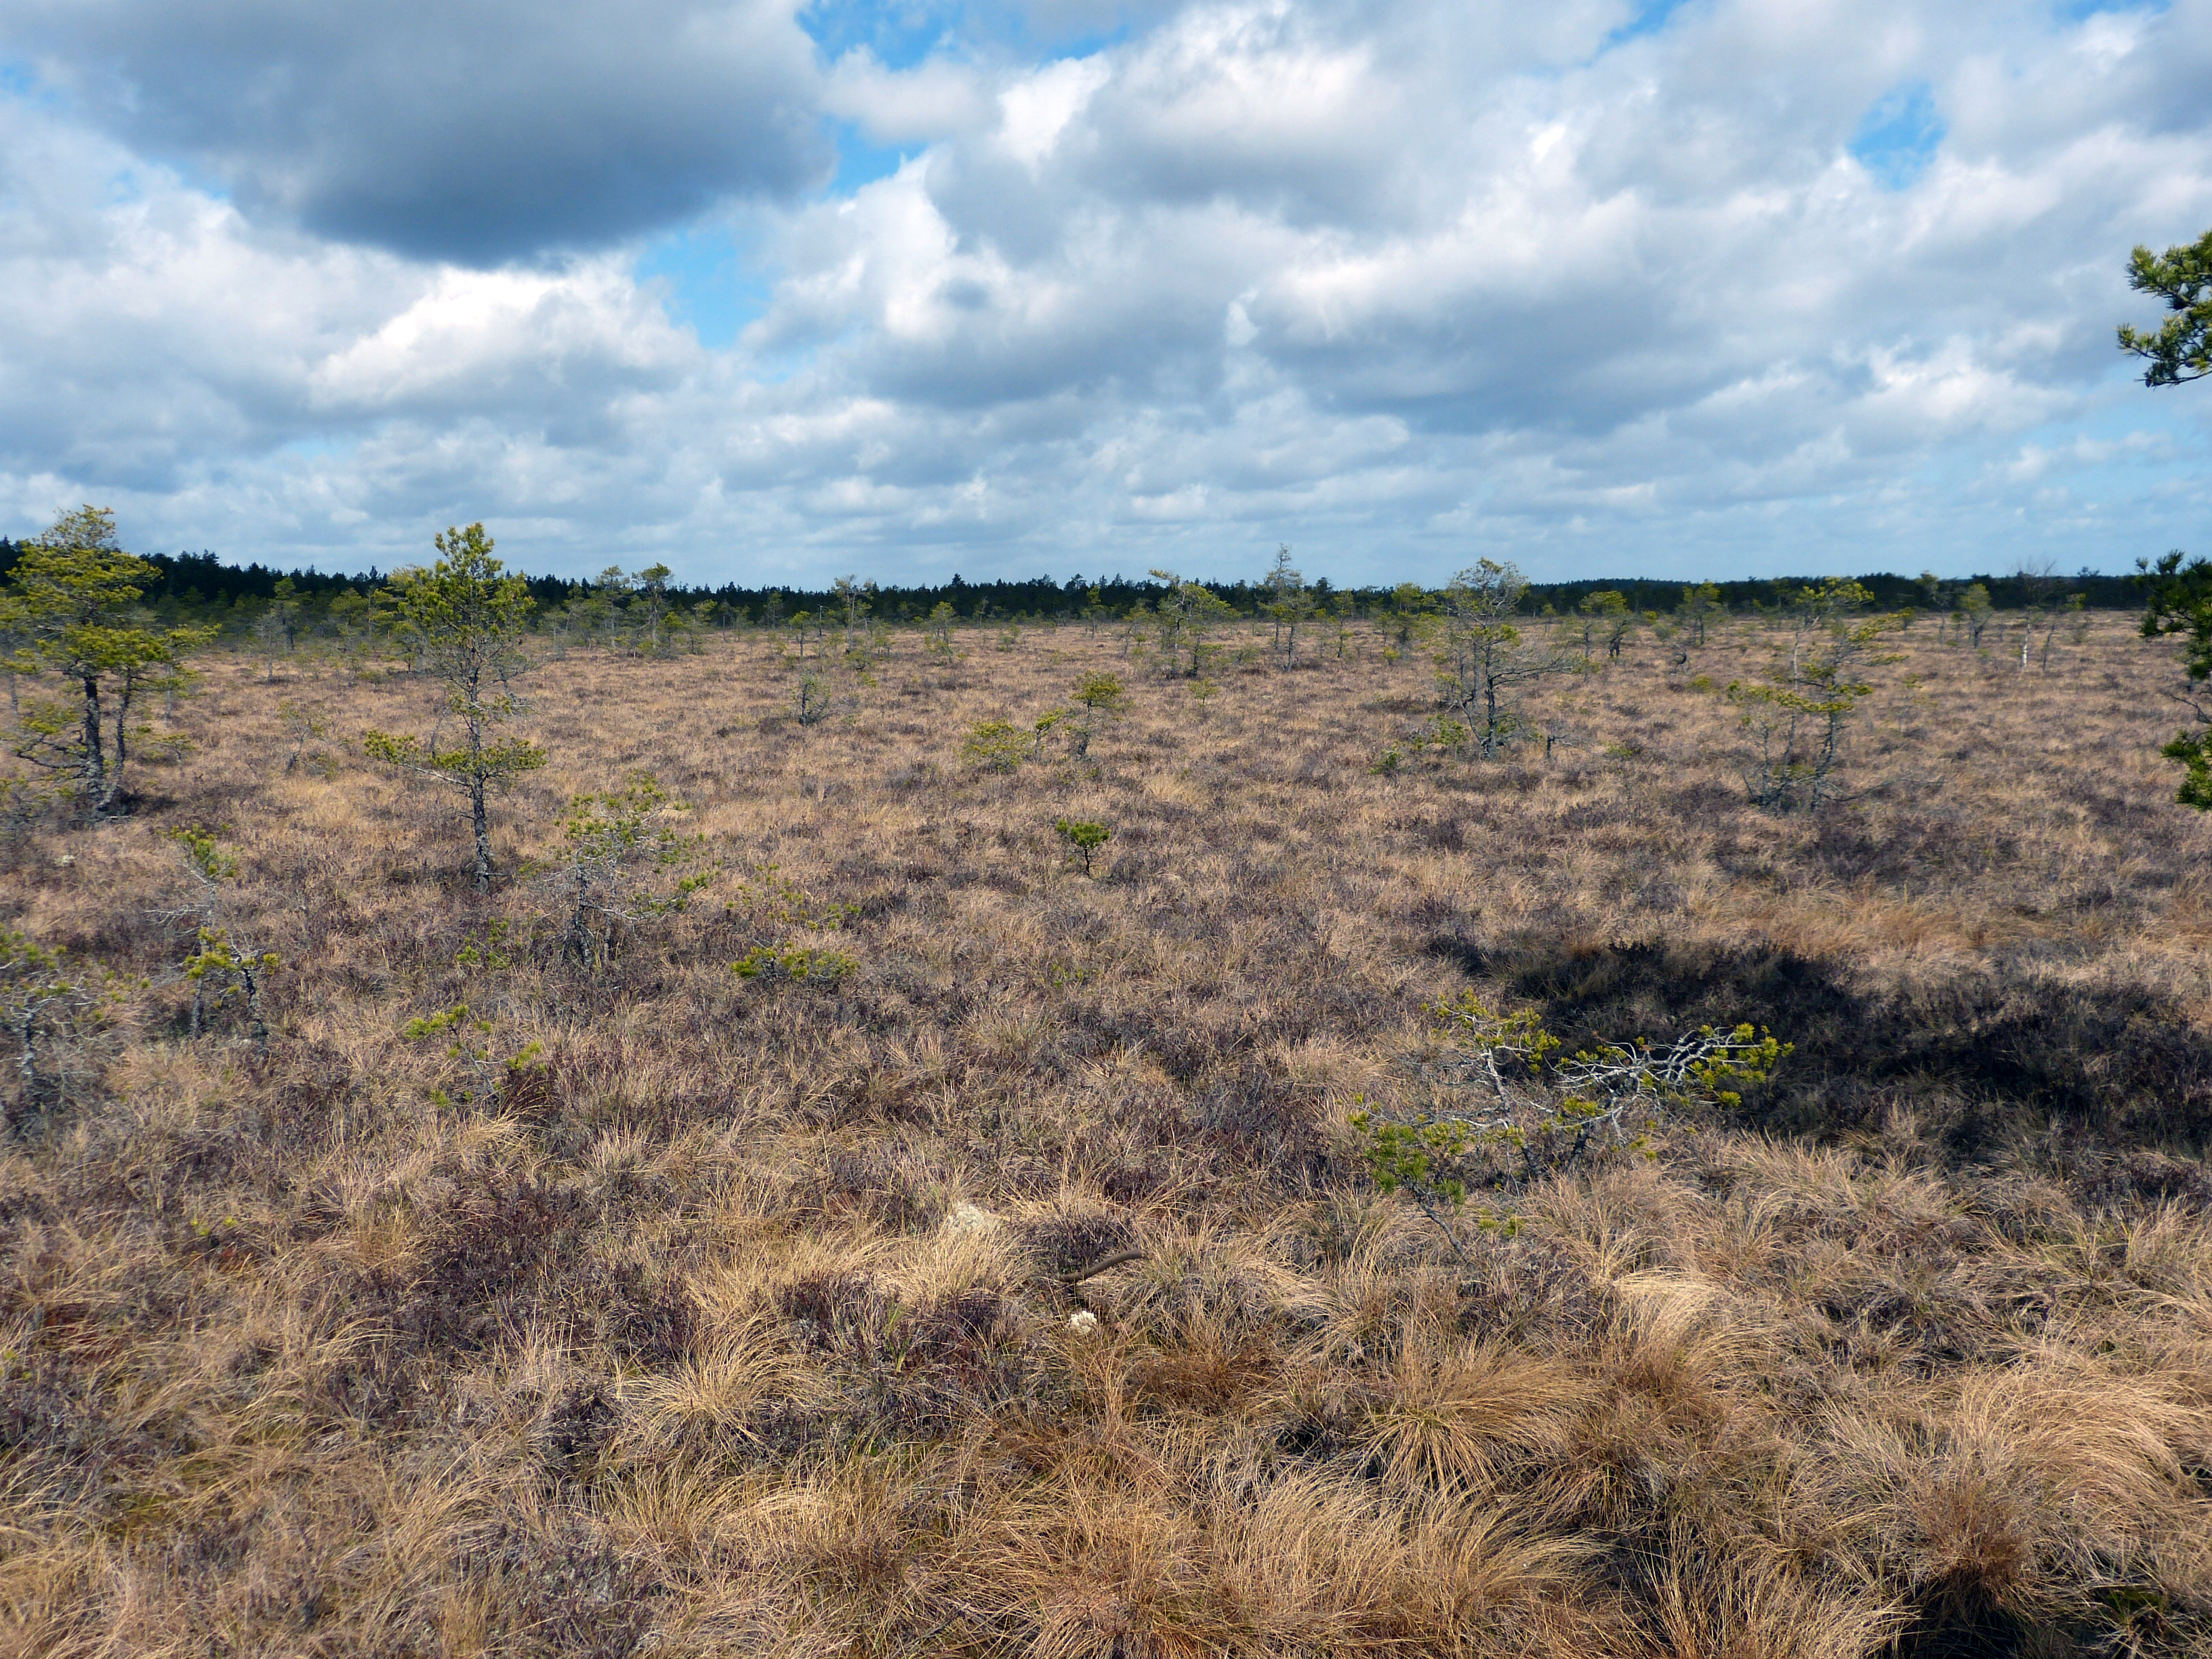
x=744 y=1329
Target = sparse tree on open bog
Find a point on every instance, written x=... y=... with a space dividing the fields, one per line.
x=1701 y=606
x=1098 y=699
x=1976 y=609
x=852 y=604
x=72 y=605
x=649 y=589
x=467 y=617
x=937 y=629
x=625 y=859
x=1609 y=614
x=1798 y=719
x=1402 y=618
x=1481 y=659
x=222 y=967
x=1187 y=612
x=1083 y=838
x=1289 y=603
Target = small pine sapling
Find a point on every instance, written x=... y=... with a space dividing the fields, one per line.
x=795 y=964
x=624 y=861
x=1342 y=608
x=223 y=969
x=774 y=912
x=938 y=631
x=1976 y=610
x=301 y=727
x=1187 y=615
x=1098 y=700
x=1407 y=613
x=1439 y=735
x=1701 y=606
x=465 y=618
x=1605 y=615
x=998 y=745
x=1798 y=720
x=1083 y=838
x=1482 y=660
x=480 y=1073
x=40 y=996
x=1288 y=605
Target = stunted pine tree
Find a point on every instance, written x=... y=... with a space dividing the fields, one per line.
x=1701 y=606
x=1289 y=603
x=652 y=603
x=1187 y=613
x=465 y=618
x=937 y=629
x=1606 y=615
x=1482 y=659
x=71 y=606
x=852 y=600
x=1975 y=611
x=1798 y=719
x=1402 y=617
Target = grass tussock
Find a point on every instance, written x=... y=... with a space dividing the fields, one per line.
x=994 y=1271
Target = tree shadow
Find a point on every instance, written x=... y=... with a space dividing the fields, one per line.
x=1987 y=1062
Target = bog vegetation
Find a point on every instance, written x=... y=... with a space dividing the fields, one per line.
x=1249 y=1122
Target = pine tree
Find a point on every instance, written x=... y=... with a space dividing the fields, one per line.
x=72 y=606
x=465 y=619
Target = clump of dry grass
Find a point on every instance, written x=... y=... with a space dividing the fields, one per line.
x=744 y=1320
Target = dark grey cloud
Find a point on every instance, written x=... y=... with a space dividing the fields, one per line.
x=474 y=131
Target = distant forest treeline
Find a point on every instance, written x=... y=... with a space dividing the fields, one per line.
x=201 y=587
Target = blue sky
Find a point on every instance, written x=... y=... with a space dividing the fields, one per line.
x=772 y=291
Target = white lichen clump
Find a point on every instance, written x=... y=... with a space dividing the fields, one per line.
x=970 y=1219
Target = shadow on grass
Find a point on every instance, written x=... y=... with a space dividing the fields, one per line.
x=1987 y=1065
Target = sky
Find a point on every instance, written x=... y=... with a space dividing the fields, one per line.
x=773 y=292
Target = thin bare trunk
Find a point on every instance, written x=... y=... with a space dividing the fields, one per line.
x=95 y=755
x=482 y=821
x=122 y=738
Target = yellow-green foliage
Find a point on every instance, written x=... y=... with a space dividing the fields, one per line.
x=1083 y=837
x=998 y=745
x=479 y=1070
x=798 y=964
x=1512 y=1109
